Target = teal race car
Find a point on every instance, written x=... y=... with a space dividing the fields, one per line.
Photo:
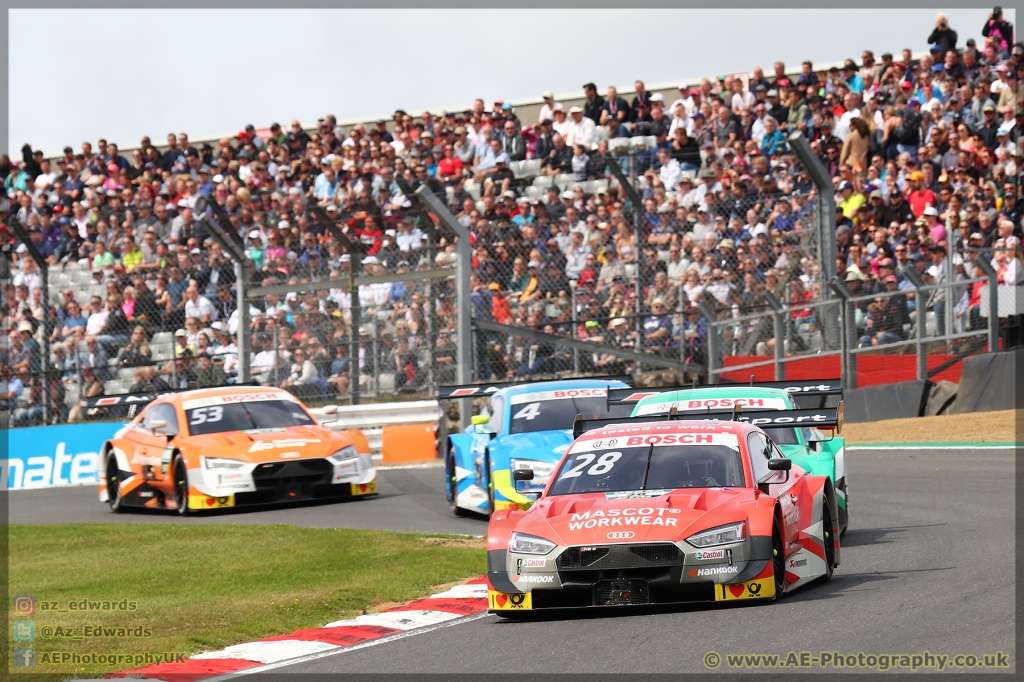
x=816 y=451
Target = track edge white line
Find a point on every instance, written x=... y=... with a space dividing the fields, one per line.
x=324 y=654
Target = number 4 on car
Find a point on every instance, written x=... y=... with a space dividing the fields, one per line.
x=524 y=425
x=190 y=451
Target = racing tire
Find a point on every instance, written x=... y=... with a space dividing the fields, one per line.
x=453 y=485
x=114 y=500
x=181 y=487
x=778 y=560
x=829 y=540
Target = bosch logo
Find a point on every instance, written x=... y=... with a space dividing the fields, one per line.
x=621 y=535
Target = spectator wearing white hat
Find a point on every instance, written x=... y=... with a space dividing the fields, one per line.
x=1003 y=137
x=581 y=129
x=561 y=122
x=547 y=109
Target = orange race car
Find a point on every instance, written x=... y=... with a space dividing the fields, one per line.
x=228 y=447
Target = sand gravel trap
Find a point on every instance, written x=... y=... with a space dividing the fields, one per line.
x=983 y=427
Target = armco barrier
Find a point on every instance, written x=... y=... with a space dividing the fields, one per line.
x=887 y=401
x=53 y=456
x=370 y=419
x=990 y=382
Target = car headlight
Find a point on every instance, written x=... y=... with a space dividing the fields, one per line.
x=529 y=544
x=540 y=469
x=347 y=452
x=723 y=535
x=222 y=463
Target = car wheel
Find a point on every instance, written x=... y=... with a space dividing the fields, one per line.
x=778 y=559
x=181 y=486
x=453 y=484
x=829 y=538
x=114 y=499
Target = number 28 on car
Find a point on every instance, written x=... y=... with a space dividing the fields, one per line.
x=226 y=447
x=654 y=511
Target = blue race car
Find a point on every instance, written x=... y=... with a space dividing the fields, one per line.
x=524 y=426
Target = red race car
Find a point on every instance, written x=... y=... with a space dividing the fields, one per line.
x=656 y=511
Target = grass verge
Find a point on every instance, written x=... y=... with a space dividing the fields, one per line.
x=196 y=588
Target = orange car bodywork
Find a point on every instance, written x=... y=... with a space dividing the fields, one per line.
x=280 y=464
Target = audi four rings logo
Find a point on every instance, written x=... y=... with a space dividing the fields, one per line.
x=621 y=535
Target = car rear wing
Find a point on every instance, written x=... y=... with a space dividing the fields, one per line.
x=480 y=390
x=829 y=418
x=811 y=387
x=142 y=398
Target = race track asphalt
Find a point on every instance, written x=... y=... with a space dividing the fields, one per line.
x=928 y=564
x=410 y=499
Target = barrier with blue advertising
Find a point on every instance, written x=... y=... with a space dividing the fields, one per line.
x=51 y=456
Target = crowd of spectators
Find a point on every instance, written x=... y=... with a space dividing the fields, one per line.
x=925 y=155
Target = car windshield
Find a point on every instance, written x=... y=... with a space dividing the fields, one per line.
x=612 y=468
x=554 y=414
x=784 y=436
x=261 y=414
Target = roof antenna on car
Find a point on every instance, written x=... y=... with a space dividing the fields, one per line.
x=751 y=379
x=695 y=381
x=673 y=413
x=737 y=412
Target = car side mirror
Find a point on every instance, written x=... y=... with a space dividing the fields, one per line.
x=522 y=475
x=479 y=419
x=156 y=424
x=331 y=411
x=776 y=464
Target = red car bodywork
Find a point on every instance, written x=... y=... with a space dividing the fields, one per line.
x=638 y=544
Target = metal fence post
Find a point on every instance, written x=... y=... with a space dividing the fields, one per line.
x=993 y=301
x=948 y=294
x=355 y=324
x=919 y=328
x=637 y=211
x=575 y=331
x=831 y=327
x=838 y=287
x=710 y=316
x=241 y=282
x=780 y=343
x=376 y=357
x=464 y=324
x=682 y=327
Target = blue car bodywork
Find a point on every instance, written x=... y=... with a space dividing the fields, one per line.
x=529 y=426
